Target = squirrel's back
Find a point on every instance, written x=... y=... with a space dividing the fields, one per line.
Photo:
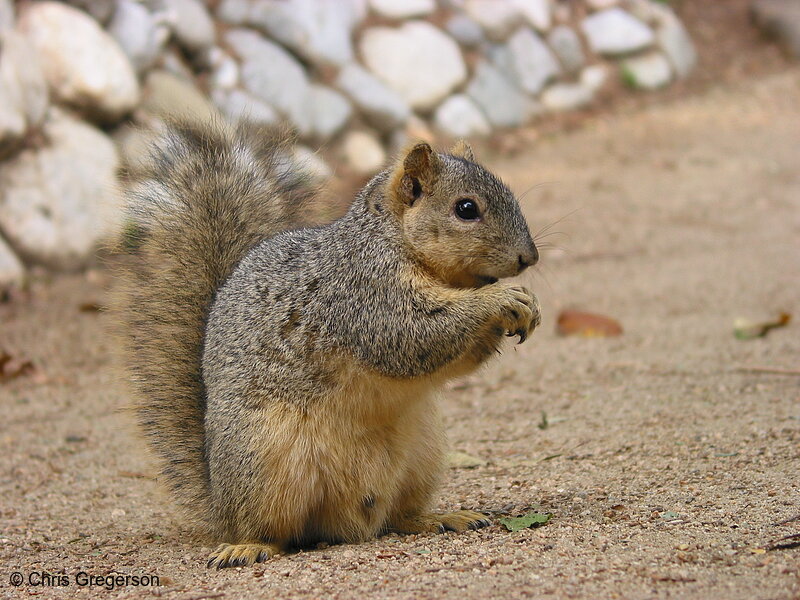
x=203 y=198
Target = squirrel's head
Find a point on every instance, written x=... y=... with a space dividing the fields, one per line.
x=461 y=222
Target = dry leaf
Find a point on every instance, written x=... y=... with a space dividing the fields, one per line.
x=135 y=475
x=573 y=322
x=91 y=307
x=11 y=367
x=531 y=519
x=744 y=329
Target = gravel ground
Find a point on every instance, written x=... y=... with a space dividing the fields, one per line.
x=666 y=467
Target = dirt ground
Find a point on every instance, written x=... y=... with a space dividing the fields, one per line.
x=666 y=466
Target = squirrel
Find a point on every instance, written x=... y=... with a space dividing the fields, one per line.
x=286 y=376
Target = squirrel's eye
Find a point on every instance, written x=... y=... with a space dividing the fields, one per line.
x=467 y=210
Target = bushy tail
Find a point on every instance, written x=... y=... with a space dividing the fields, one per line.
x=204 y=197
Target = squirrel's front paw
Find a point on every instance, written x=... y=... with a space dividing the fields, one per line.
x=520 y=312
x=237 y=555
x=459 y=521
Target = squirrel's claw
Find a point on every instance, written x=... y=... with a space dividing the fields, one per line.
x=458 y=521
x=238 y=555
x=523 y=335
x=479 y=524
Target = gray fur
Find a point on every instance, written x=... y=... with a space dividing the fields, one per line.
x=240 y=321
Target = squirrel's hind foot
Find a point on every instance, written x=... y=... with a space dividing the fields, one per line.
x=238 y=555
x=461 y=520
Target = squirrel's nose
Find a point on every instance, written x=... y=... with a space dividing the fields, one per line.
x=528 y=258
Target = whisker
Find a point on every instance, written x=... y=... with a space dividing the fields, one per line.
x=535 y=186
x=532 y=275
x=543 y=271
x=548 y=246
x=546 y=228
x=551 y=233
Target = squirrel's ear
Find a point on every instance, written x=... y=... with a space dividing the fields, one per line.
x=418 y=171
x=464 y=150
x=421 y=162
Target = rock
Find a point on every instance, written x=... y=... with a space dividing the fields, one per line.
x=234 y=12
x=382 y=106
x=23 y=89
x=537 y=13
x=12 y=118
x=317 y=31
x=464 y=30
x=500 y=57
x=11 y=270
x=417 y=60
x=502 y=103
x=648 y=71
x=237 y=105
x=134 y=143
x=674 y=40
x=330 y=112
x=594 y=77
x=398 y=141
x=225 y=74
x=82 y=64
x=173 y=62
x=417 y=129
x=300 y=166
x=601 y=4
x=169 y=97
x=59 y=201
x=363 y=152
x=209 y=57
x=565 y=96
x=779 y=19
x=359 y=10
x=403 y=9
x=191 y=24
x=531 y=61
x=100 y=10
x=6 y=16
x=567 y=47
x=562 y=13
x=19 y=56
x=140 y=34
x=458 y=116
x=312 y=164
x=614 y=31
x=273 y=75
x=498 y=19
x=648 y=11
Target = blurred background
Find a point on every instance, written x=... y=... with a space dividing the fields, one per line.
x=357 y=79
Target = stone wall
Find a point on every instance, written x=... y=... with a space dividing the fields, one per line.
x=358 y=77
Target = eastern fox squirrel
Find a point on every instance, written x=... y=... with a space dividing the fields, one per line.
x=286 y=376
